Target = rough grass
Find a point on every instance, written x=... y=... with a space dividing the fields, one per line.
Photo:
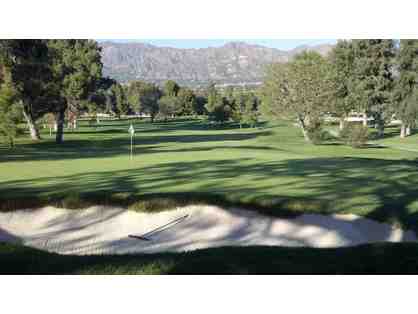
x=153 y=203
x=385 y=258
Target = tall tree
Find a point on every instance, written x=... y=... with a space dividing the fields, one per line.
x=187 y=102
x=133 y=93
x=406 y=90
x=121 y=102
x=10 y=113
x=212 y=97
x=239 y=108
x=342 y=68
x=102 y=99
x=171 y=88
x=229 y=95
x=31 y=75
x=245 y=108
x=167 y=106
x=251 y=113
x=77 y=69
x=199 y=107
x=372 y=83
x=144 y=97
x=217 y=106
x=298 y=90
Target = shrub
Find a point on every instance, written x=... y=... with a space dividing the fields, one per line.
x=317 y=134
x=156 y=205
x=73 y=201
x=354 y=135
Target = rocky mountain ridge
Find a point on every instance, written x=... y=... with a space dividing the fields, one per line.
x=235 y=63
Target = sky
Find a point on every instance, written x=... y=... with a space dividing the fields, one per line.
x=283 y=44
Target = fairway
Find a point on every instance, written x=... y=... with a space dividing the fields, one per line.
x=270 y=167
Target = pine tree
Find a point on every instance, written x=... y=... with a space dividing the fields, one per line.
x=406 y=92
x=341 y=71
x=121 y=102
x=167 y=106
x=77 y=70
x=371 y=85
x=217 y=106
x=144 y=97
x=171 y=88
x=212 y=98
x=31 y=75
x=250 y=114
x=187 y=101
x=239 y=108
x=245 y=108
x=10 y=112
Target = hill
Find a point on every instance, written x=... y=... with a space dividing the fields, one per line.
x=234 y=63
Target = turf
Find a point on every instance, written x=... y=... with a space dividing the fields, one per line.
x=269 y=167
x=366 y=259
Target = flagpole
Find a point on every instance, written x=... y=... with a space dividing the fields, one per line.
x=132 y=136
x=132 y=133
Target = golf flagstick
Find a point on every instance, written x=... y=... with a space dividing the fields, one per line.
x=132 y=132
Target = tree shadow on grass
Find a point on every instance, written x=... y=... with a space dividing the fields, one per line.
x=385 y=190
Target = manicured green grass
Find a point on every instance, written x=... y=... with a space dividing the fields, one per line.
x=366 y=259
x=182 y=162
x=270 y=167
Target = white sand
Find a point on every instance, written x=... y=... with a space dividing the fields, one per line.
x=99 y=230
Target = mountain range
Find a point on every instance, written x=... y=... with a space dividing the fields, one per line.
x=235 y=63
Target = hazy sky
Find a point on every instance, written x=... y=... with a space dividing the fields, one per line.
x=284 y=44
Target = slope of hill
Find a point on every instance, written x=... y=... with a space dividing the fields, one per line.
x=233 y=63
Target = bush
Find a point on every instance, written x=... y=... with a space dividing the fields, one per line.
x=156 y=205
x=355 y=135
x=73 y=201
x=317 y=134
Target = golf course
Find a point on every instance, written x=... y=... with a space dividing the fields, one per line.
x=181 y=162
x=125 y=158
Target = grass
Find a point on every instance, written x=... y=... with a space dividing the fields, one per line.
x=270 y=168
x=377 y=258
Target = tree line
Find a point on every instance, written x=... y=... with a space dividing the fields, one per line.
x=376 y=78
x=58 y=80
x=233 y=103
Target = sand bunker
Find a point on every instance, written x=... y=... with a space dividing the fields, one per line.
x=100 y=230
